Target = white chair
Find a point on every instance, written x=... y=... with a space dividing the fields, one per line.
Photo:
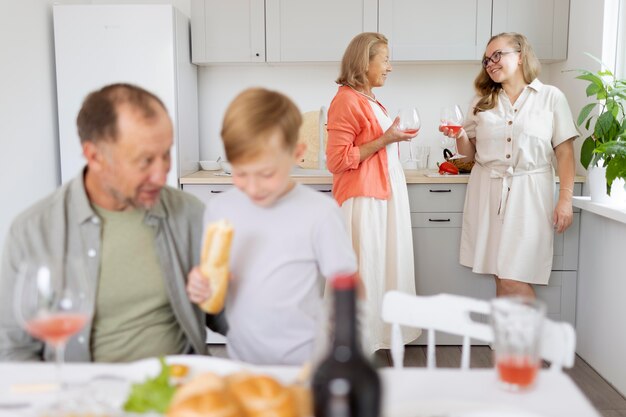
x=451 y=314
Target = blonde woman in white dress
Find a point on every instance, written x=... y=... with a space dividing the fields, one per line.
x=369 y=183
x=515 y=128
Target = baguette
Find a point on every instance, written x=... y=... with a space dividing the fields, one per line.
x=214 y=263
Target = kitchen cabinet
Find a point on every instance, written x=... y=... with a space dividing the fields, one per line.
x=304 y=30
x=544 y=22
x=444 y=30
x=239 y=31
x=277 y=30
x=436 y=219
x=227 y=31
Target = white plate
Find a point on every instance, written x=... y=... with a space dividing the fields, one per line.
x=140 y=370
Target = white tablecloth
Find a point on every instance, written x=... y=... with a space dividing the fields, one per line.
x=410 y=392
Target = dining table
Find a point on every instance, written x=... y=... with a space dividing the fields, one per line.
x=27 y=388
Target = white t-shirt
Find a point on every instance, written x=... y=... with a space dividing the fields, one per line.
x=278 y=258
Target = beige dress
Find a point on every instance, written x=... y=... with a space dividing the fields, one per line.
x=383 y=242
x=508 y=215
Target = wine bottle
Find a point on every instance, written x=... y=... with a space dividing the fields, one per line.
x=345 y=384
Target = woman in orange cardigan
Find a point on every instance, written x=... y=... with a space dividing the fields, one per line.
x=368 y=181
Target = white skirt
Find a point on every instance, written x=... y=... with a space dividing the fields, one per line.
x=382 y=239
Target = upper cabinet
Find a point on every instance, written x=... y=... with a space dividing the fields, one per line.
x=227 y=31
x=320 y=30
x=237 y=31
x=277 y=30
x=544 y=22
x=443 y=30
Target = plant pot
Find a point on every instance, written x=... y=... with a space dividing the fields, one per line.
x=596 y=178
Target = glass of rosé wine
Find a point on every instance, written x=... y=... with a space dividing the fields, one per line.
x=517 y=325
x=52 y=303
x=452 y=118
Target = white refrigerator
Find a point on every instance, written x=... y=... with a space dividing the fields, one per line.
x=146 y=45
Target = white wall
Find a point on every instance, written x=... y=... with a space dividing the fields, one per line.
x=28 y=124
x=427 y=87
x=585 y=35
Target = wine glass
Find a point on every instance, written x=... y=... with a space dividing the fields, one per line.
x=452 y=118
x=52 y=303
x=410 y=122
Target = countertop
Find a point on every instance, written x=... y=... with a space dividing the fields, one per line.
x=412 y=177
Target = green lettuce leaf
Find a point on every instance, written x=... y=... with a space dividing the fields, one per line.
x=154 y=394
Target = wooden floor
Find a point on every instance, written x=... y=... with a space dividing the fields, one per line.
x=602 y=395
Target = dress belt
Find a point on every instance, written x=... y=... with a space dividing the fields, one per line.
x=507 y=177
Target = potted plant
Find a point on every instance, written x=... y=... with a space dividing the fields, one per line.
x=606 y=145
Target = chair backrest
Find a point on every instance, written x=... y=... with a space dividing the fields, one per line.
x=451 y=314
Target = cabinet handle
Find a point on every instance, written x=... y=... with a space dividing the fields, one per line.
x=325 y=191
x=440 y=191
x=257 y=54
x=439 y=220
x=216 y=191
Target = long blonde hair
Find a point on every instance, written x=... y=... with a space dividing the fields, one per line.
x=487 y=89
x=356 y=58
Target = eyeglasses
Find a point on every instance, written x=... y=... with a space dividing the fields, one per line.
x=495 y=57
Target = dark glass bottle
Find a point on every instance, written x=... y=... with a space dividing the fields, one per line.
x=345 y=384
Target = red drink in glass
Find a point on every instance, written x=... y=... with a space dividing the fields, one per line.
x=454 y=128
x=517 y=370
x=56 y=328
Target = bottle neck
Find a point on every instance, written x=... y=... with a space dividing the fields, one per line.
x=346 y=328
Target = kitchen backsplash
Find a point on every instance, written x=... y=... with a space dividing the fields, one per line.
x=426 y=86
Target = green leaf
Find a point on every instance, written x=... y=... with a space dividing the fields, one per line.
x=586 y=151
x=604 y=124
x=594 y=79
x=154 y=394
x=593 y=89
x=585 y=112
x=616 y=168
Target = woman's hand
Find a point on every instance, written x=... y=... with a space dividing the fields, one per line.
x=198 y=288
x=563 y=215
x=394 y=134
x=451 y=132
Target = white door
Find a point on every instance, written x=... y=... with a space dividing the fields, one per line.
x=228 y=31
x=320 y=30
x=543 y=22
x=426 y=30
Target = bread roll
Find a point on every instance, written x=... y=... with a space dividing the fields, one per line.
x=214 y=263
x=262 y=396
x=206 y=395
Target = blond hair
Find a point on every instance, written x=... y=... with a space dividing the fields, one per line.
x=487 y=89
x=253 y=117
x=356 y=59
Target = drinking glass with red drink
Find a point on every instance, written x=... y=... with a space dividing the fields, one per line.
x=451 y=118
x=52 y=303
x=517 y=325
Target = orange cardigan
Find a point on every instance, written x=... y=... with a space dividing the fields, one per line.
x=351 y=123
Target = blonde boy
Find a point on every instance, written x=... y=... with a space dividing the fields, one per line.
x=287 y=236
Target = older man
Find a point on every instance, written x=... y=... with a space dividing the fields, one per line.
x=135 y=237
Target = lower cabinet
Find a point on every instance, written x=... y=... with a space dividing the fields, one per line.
x=436 y=219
